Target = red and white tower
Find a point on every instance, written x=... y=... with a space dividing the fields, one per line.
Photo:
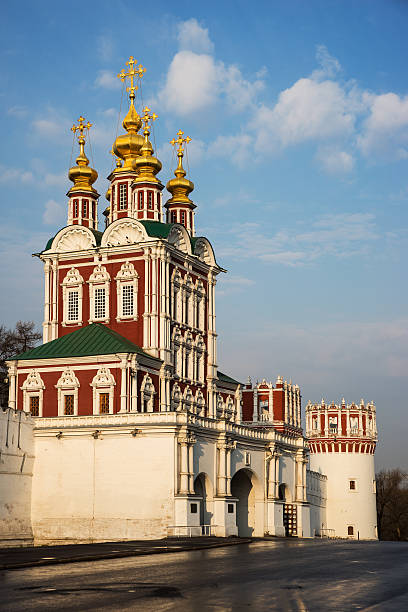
x=342 y=441
x=180 y=209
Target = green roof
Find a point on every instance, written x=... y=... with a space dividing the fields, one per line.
x=98 y=237
x=94 y=339
x=156 y=229
x=224 y=378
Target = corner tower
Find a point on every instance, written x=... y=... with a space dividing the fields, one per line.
x=342 y=440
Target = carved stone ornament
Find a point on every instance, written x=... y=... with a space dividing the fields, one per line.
x=127 y=232
x=72 y=278
x=177 y=238
x=76 y=239
x=33 y=382
x=187 y=439
x=103 y=378
x=127 y=272
x=204 y=252
x=99 y=275
x=67 y=379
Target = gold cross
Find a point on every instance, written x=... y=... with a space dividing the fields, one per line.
x=147 y=117
x=135 y=71
x=81 y=127
x=180 y=140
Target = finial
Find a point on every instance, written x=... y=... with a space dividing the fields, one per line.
x=180 y=187
x=82 y=175
x=118 y=161
x=134 y=72
x=180 y=151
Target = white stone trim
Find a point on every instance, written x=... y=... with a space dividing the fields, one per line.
x=99 y=279
x=33 y=386
x=102 y=382
x=73 y=281
x=147 y=393
x=68 y=384
x=127 y=276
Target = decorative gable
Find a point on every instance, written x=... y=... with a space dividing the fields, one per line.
x=33 y=382
x=67 y=380
x=99 y=275
x=72 y=278
x=127 y=272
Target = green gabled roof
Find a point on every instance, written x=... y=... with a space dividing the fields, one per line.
x=156 y=229
x=224 y=378
x=98 y=237
x=94 y=339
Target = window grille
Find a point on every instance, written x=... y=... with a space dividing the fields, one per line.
x=76 y=208
x=73 y=306
x=140 y=196
x=84 y=208
x=127 y=300
x=104 y=403
x=35 y=405
x=150 y=200
x=183 y=217
x=173 y=217
x=68 y=404
x=122 y=196
x=187 y=309
x=352 y=485
x=350 y=530
x=99 y=305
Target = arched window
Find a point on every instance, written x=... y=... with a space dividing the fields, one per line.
x=103 y=385
x=126 y=292
x=147 y=393
x=68 y=386
x=176 y=295
x=350 y=530
x=199 y=360
x=72 y=298
x=177 y=352
x=33 y=388
x=99 y=282
x=188 y=307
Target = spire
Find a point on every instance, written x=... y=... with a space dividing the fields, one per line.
x=82 y=175
x=180 y=187
x=145 y=164
x=127 y=146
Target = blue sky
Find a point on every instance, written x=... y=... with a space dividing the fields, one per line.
x=299 y=117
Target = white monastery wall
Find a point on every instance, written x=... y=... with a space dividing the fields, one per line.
x=115 y=486
x=316 y=488
x=16 y=467
x=347 y=507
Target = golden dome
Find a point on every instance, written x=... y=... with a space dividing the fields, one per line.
x=145 y=164
x=82 y=175
x=180 y=187
x=127 y=146
x=108 y=194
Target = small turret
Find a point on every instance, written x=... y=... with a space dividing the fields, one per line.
x=83 y=198
x=180 y=209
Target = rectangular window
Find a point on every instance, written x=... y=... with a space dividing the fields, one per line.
x=122 y=196
x=183 y=217
x=230 y=508
x=350 y=530
x=352 y=485
x=193 y=508
x=140 y=199
x=99 y=303
x=104 y=403
x=158 y=200
x=173 y=217
x=35 y=405
x=73 y=305
x=127 y=300
x=84 y=208
x=113 y=197
x=68 y=404
x=93 y=210
x=187 y=310
x=150 y=200
x=76 y=208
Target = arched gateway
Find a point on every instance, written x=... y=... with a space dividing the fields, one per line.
x=244 y=486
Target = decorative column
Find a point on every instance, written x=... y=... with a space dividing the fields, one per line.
x=229 y=447
x=12 y=371
x=186 y=471
x=299 y=477
x=222 y=473
x=304 y=466
x=348 y=421
x=271 y=459
x=123 y=368
x=285 y=387
x=133 y=385
x=146 y=314
x=270 y=407
x=54 y=322
x=255 y=410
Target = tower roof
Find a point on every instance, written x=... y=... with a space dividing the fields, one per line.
x=180 y=187
x=82 y=175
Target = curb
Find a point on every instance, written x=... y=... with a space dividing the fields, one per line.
x=117 y=555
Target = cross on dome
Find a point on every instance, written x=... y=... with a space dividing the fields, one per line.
x=180 y=141
x=134 y=71
x=81 y=127
x=147 y=117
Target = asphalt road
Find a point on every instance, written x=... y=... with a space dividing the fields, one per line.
x=282 y=575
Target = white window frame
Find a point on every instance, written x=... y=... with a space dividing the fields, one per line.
x=123 y=201
x=99 y=279
x=126 y=277
x=67 y=384
x=147 y=392
x=73 y=281
x=33 y=386
x=102 y=382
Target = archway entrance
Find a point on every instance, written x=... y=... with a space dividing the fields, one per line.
x=203 y=488
x=289 y=511
x=242 y=488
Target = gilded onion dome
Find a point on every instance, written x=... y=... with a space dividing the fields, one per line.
x=127 y=146
x=82 y=175
x=146 y=165
x=180 y=187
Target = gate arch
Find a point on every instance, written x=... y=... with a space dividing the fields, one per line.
x=246 y=488
x=203 y=487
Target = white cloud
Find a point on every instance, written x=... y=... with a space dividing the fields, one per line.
x=105 y=46
x=335 y=161
x=341 y=235
x=236 y=147
x=18 y=111
x=329 y=65
x=54 y=213
x=233 y=284
x=52 y=128
x=55 y=180
x=193 y=37
x=15 y=175
x=385 y=131
x=107 y=80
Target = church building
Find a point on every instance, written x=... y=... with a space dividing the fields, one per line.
x=135 y=431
